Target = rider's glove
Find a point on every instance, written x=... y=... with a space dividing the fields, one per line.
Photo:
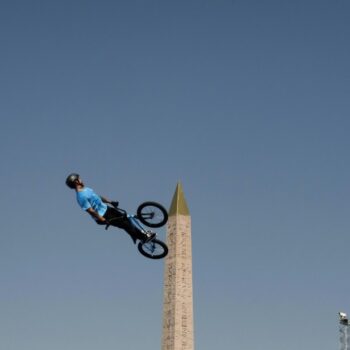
x=115 y=204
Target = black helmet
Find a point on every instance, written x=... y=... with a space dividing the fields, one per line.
x=70 y=181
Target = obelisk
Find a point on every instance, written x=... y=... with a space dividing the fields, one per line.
x=178 y=300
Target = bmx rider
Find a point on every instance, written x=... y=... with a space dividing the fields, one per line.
x=101 y=209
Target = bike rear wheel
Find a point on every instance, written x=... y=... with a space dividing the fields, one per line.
x=152 y=214
x=154 y=249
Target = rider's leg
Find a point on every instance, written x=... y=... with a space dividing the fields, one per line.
x=119 y=220
x=113 y=216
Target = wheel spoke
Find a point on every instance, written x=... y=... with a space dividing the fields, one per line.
x=154 y=249
x=152 y=214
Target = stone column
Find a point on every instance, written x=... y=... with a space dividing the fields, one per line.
x=178 y=298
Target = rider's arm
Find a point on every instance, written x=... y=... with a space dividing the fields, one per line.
x=105 y=200
x=113 y=203
x=95 y=214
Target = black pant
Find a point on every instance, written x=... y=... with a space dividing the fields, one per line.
x=115 y=217
x=118 y=219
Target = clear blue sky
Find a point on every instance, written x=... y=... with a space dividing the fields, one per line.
x=245 y=102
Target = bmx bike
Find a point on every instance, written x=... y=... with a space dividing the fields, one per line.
x=151 y=214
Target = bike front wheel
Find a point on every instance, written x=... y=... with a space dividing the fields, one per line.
x=154 y=249
x=152 y=214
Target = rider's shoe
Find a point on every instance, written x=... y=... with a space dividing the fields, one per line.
x=149 y=236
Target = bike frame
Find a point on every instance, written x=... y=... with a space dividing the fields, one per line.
x=148 y=246
x=133 y=219
x=134 y=222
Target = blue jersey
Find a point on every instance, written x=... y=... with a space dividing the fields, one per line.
x=87 y=198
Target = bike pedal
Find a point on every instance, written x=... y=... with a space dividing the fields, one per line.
x=150 y=237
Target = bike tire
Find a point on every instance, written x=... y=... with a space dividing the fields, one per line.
x=155 y=249
x=152 y=214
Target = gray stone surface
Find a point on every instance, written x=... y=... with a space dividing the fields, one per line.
x=178 y=298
